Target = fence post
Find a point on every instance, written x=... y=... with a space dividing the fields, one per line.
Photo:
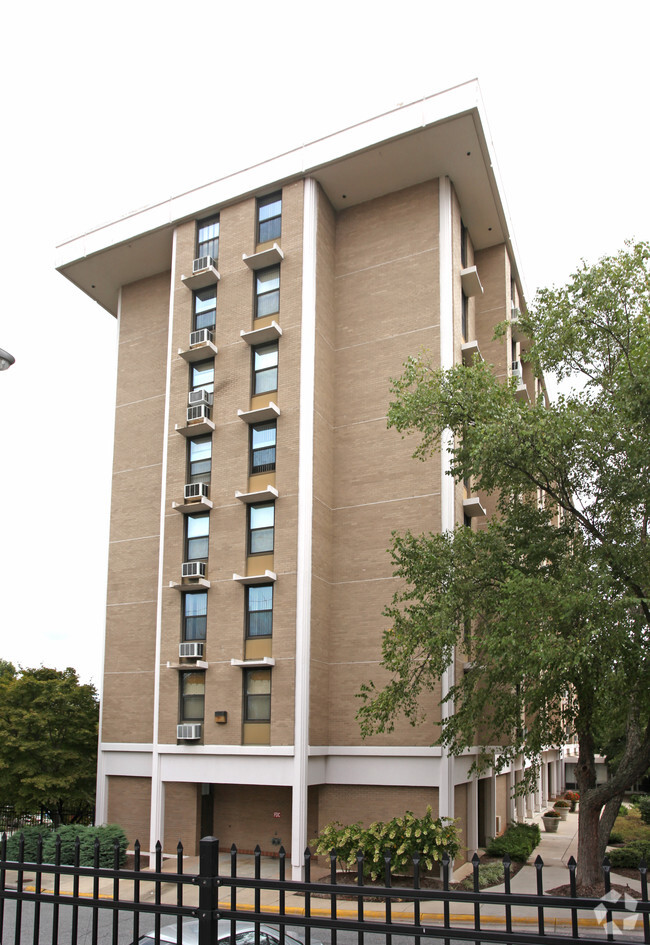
x=208 y=890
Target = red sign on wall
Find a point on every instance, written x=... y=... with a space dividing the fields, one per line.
x=276 y=813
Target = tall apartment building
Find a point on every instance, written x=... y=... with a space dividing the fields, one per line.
x=256 y=484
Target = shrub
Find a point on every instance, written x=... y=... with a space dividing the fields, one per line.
x=562 y=804
x=616 y=837
x=106 y=835
x=402 y=836
x=488 y=875
x=518 y=842
x=623 y=811
x=643 y=803
x=629 y=856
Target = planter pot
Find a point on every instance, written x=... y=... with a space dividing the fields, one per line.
x=551 y=824
x=562 y=811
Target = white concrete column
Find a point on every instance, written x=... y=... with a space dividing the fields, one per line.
x=157 y=814
x=511 y=807
x=520 y=802
x=305 y=519
x=447 y=488
x=492 y=808
x=472 y=816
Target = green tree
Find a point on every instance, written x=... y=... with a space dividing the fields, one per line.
x=555 y=589
x=48 y=741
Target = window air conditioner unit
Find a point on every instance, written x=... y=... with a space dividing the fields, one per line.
x=197 y=397
x=189 y=732
x=198 y=413
x=191 y=650
x=196 y=490
x=200 y=337
x=193 y=569
x=517 y=372
x=203 y=263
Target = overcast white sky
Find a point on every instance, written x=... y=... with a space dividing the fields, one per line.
x=109 y=107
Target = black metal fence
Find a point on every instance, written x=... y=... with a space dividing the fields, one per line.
x=57 y=903
x=11 y=821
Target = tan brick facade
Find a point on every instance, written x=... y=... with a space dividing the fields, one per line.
x=370 y=273
x=129 y=805
x=377 y=303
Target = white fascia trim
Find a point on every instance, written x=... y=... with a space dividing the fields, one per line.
x=299 y=836
x=252 y=750
x=402 y=120
x=356 y=751
x=126 y=746
x=156 y=824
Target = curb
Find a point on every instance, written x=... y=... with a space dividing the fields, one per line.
x=458 y=918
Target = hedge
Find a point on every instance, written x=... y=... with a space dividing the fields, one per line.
x=630 y=855
x=107 y=836
x=518 y=842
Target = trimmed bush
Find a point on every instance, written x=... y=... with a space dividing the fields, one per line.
x=518 y=842
x=616 y=837
x=106 y=835
x=488 y=875
x=402 y=836
x=623 y=811
x=643 y=803
x=629 y=856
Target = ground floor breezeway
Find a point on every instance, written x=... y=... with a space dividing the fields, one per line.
x=188 y=802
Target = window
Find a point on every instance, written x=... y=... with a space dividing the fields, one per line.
x=261 y=523
x=257 y=695
x=199 y=456
x=202 y=375
x=464 y=318
x=263 y=447
x=265 y=368
x=197 y=537
x=207 y=243
x=269 y=217
x=195 y=615
x=259 y=610
x=267 y=291
x=192 y=706
x=205 y=308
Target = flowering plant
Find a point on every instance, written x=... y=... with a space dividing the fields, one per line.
x=550 y=813
x=571 y=796
x=401 y=838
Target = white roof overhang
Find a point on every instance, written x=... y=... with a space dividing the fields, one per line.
x=443 y=134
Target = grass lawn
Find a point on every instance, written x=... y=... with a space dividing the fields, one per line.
x=632 y=828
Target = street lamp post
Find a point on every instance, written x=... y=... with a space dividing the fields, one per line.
x=6 y=359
